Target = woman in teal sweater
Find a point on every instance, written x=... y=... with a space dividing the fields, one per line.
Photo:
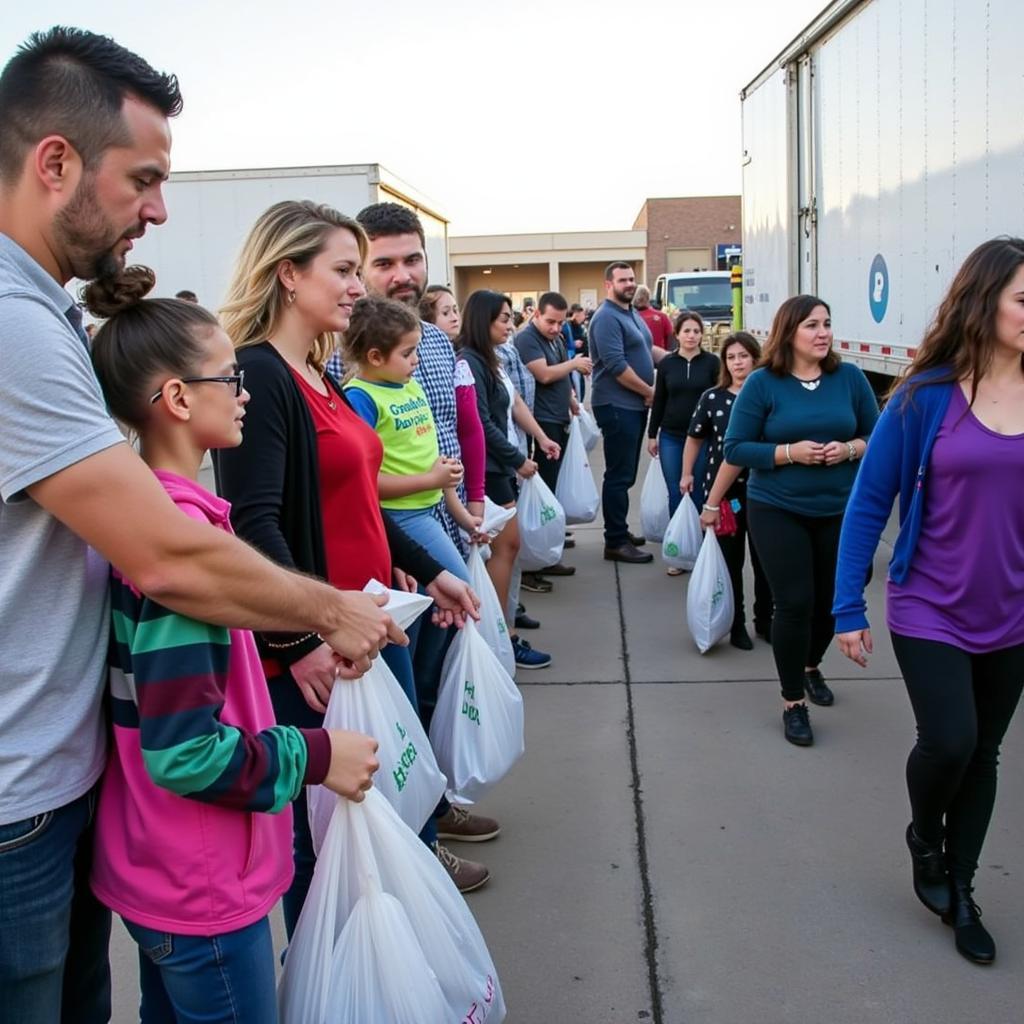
x=800 y=423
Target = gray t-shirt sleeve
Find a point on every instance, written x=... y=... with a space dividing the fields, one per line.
x=52 y=412
x=529 y=348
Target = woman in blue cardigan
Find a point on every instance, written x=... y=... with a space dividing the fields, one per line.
x=951 y=445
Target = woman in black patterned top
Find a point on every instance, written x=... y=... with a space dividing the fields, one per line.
x=740 y=353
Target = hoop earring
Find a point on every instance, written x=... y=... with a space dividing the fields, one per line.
x=291 y=298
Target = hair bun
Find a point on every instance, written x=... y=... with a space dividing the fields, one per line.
x=108 y=296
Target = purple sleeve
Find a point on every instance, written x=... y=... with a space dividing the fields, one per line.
x=471 y=440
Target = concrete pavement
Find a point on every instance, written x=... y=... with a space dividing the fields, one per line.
x=667 y=857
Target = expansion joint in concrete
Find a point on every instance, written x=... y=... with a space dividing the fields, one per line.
x=650 y=925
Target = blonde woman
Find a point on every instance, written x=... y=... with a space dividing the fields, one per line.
x=303 y=483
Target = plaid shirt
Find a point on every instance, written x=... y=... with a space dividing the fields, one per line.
x=335 y=367
x=436 y=375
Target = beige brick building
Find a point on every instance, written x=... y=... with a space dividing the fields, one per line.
x=684 y=233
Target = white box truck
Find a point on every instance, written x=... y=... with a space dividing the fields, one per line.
x=211 y=212
x=880 y=147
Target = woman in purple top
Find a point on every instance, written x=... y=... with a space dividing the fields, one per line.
x=951 y=443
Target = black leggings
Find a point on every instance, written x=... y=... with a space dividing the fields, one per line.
x=798 y=554
x=963 y=704
x=734 y=551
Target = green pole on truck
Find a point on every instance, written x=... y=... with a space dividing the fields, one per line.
x=737 y=297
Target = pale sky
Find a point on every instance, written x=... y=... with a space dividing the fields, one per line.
x=537 y=115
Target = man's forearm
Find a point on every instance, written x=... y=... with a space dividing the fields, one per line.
x=223 y=580
x=115 y=504
x=550 y=374
x=630 y=379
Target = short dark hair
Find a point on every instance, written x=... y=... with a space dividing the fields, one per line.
x=687 y=314
x=553 y=299
x=778 y=349
x=187 y=294
x=383 y=220
x=575 y=308
x=609 y=271
x=748 y=342
x=73 y=83
x=376 y=324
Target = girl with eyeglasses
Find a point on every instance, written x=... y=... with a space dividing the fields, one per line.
x=194 y=818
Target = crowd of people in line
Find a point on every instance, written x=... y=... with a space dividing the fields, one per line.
x=131 y=607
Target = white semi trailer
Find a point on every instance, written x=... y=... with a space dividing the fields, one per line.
x=211 y=212
x=880 y=147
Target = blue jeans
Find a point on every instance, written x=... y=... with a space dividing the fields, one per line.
x=422 y=527
x=623 y=435
x=670 y=454
x=216 y=979
x=54 y=933
x=430 y=643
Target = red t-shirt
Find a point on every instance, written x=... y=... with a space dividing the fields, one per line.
x=659 y=325
x=349 y=454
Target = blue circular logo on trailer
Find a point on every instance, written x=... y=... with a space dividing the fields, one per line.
x=878 y=288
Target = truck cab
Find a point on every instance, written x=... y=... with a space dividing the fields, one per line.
x=708 y=292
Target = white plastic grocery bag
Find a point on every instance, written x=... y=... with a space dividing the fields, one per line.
x=403 y=607
x=477 y=728
x=384 y=936
x=709 y=599
x=494 y=518
x=682 y=542
x=492 y=626
x=541 y=525
x=376 y=705
x=589 y=429
x=576 y=491
x=654 y=503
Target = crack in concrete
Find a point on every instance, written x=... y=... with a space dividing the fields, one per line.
x=694 y=682
x=650 y=927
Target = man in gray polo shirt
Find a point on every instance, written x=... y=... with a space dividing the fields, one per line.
x=84 y=150
x=620 y=345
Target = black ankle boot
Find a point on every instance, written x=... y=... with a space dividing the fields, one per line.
x=972 y=938
x=931 y=880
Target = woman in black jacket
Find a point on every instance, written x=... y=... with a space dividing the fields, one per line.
x=303 y=483
x=486 y=316
x=683 y=376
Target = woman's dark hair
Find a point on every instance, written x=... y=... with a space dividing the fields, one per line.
x=748 y=341
x=431 y=297
x=70 y=82
x=482 y=308
x=142 y=340
x=961 y=339
x=376 y=324
x=778 y=349
x=687 y=314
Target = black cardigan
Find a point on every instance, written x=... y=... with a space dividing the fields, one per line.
x=503 y=457
x=272 y=480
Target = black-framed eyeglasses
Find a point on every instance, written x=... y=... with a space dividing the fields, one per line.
x=237 y=379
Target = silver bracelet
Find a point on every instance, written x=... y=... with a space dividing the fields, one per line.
x=712 y=508
x=789 y=458
x=853 y=451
